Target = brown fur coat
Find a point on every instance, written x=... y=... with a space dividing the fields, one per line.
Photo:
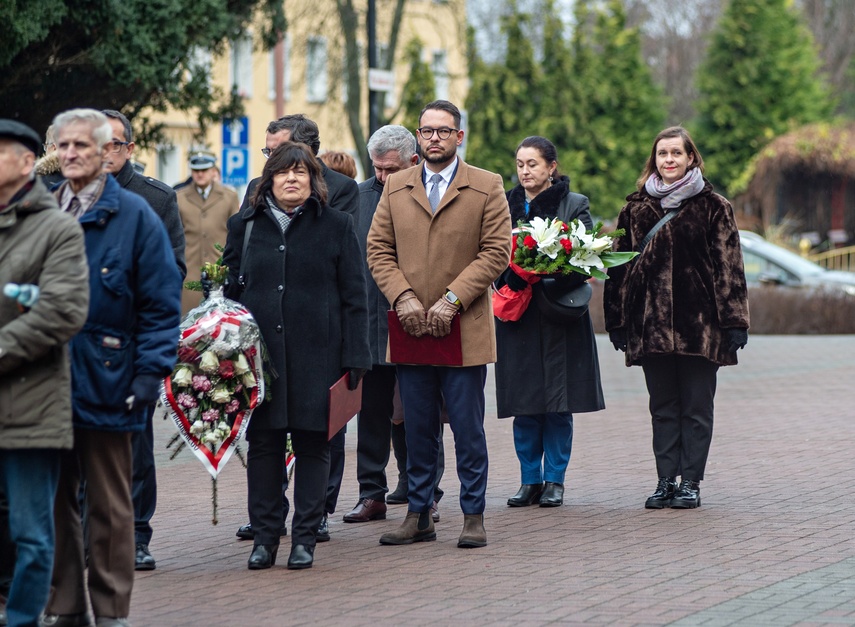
x=688 y=285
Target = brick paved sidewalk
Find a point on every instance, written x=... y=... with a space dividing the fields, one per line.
x=771 y=545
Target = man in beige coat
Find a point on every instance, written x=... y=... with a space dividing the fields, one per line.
x=205 y=207
x=440 y=236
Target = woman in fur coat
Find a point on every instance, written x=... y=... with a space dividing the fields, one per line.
x=680 y=309
x=547 y=370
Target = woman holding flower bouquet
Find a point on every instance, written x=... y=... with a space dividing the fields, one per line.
x=547 y=367
x=302 y=280
x=680 y=310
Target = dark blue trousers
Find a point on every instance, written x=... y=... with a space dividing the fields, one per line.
x=422 y=390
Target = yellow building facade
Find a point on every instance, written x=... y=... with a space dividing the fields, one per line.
x=306 y=74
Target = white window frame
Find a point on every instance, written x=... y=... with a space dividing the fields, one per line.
x=317 y=84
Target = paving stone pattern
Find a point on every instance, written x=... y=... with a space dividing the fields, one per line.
x=771 y=545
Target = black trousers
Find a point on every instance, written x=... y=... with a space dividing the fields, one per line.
x=682 y=391
x=144 y=483
x=264 y=483
x=336 y=470
x=374 y=432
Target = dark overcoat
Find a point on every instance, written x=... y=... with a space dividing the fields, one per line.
x=306 y=290
x=545 y=367
x=378 y=324
x=688 y=285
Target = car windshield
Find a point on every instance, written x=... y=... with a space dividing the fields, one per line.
x=787 y=259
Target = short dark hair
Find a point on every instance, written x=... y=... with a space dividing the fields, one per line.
x=688 y=145
x=442 y=105
x=546 y=149
x=284 y=157
x=126 y=123
x=301 y=128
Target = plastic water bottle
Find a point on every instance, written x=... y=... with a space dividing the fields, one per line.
x=26 y=294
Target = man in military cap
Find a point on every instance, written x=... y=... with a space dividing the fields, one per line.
x=161 y=198
x=45 y=247
x=205 y=205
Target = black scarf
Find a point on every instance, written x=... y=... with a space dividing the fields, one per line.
x=544 y=205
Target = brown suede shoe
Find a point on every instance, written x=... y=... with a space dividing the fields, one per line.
x=415 y=528
x=474 y=535
x=365 y=510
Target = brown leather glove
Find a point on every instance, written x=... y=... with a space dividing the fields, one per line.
x=411 y=313
x=439 y=318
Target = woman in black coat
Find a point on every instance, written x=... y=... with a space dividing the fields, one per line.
x=546 y=369
x=302 y=280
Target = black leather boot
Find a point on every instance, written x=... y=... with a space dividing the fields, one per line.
x=687 y=496
x=664 y=493
x=528 y=494
x=263 y=556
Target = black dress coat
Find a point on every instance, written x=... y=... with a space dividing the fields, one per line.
x=545 y=367
x=306 y=290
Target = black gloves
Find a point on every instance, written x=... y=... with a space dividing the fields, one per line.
x=736 y=339
x=618 y=338
x=514 y=281
x=207 y=285
x=354 y=376
x=145 y=390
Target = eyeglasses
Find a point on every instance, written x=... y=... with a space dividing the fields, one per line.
x=427 y=132
x=266 y=152
x=117 y=145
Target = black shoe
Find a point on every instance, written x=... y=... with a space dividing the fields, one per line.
x=528 y=494
x=553 y=494
x=663 y=494
x=399 y=496
x=687 y=496
x=143 y=559
x=323 y=534
x=65 y=620
x=302 y=556
x=263 y=556
x=246 y=533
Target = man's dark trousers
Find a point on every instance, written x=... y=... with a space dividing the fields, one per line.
x=422 y=390
x=374 y=432
x=144 y=486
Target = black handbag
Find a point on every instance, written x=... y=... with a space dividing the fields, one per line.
x=560 y=305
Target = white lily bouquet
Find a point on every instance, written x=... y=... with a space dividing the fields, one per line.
x=552 y=247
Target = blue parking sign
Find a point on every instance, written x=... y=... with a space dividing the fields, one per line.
x=235 y=166
x=236 y=131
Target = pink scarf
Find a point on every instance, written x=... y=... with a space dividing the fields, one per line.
x=672 y=195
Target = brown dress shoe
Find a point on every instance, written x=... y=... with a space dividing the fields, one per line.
x=415 y=528
x=365 y=510
x=474 y=535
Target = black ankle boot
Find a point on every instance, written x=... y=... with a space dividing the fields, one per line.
x=687 y=496
x=528 y=494
x=263 y=556
x=664 y=493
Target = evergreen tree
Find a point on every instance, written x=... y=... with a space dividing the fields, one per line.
x=617 y=108
x=760 y=80
x=504 y=98
x=420 y=87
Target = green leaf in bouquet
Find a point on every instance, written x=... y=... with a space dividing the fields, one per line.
x=612 y=259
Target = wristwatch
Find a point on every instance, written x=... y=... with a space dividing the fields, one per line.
x=451 y=297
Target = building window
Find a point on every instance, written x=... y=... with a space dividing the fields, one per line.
x=240 y=65
x=439 y=67
x=168 y=164
x=286 y=71
x=316 y=70
x=200 y=59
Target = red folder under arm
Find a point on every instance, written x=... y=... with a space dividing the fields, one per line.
x=344 y=405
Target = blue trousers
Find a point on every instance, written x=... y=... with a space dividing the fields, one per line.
x=422 y=390
x=30 y=478
x=543 y=443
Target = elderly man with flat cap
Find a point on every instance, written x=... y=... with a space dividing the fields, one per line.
x=39 y=246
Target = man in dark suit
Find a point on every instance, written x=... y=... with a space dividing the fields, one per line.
x=440 y=236
x=162 y=199
x=343 y=195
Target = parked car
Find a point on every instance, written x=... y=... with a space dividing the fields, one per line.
x=769 y=264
